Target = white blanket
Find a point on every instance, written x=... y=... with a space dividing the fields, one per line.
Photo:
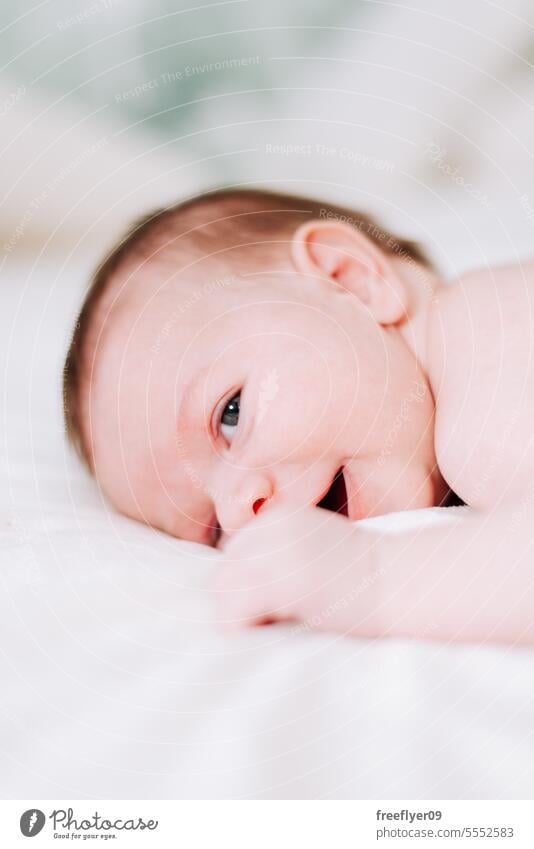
x=116 y=684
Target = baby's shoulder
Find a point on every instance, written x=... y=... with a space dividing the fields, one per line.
x=482 y=319
x=481 y=356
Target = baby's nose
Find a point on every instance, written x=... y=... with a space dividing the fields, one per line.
x=242 y=498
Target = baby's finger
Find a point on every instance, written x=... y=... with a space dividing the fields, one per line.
x=245 y=596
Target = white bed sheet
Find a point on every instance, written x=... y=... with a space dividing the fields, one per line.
x=115 y=683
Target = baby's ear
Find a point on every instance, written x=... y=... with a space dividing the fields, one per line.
x=347 y=257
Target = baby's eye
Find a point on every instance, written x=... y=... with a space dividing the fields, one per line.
x=230 y=417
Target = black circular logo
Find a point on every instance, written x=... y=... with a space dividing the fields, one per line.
x=32 y=822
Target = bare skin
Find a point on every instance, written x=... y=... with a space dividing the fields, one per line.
x=345 y=360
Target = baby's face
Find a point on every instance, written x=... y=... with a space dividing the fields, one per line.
x=213 y=401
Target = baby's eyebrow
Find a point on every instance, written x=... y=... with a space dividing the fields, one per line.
x=182 y=412
x=190 y=400
x=186 y=396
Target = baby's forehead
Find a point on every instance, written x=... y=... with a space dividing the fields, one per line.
x=158 y=312
x=145 y=318
x=183 y=288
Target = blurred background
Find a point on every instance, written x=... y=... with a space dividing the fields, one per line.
x=419 y=112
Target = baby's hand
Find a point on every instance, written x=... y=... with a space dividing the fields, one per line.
x=310 y=565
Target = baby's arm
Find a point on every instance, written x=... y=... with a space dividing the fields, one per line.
x=470 y=580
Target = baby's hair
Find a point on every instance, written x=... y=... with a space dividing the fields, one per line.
x=222 y=219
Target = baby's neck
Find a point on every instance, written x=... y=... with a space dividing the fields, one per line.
x=424 y=287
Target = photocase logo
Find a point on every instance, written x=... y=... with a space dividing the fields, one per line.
x=32 y=822
x=64 y=820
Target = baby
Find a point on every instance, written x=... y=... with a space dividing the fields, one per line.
x=246 y=357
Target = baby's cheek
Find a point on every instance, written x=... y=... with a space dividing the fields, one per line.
x=288 y=435
x=302 y=420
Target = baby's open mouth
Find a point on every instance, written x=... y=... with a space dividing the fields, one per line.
x=336 y=497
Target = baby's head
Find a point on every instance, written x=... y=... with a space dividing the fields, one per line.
x=238 y=350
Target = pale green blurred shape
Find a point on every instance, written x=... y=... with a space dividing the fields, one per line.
x=154 y=62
